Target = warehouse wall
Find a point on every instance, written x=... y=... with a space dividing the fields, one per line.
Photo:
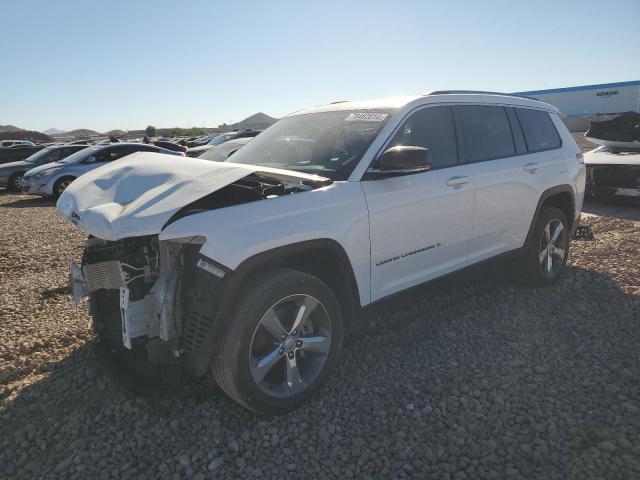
x=597 y=101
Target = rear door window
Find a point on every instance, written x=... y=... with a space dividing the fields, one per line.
x=539 y=131
x=431 y=128
x=486 y=132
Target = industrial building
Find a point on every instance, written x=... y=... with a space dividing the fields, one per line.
x=579 y=105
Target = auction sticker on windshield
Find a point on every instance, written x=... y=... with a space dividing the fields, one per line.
x=366 y=117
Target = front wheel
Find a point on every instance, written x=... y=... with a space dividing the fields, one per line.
x=61 y=185
x=15 y=182
x=548 y=250
x=279 y=347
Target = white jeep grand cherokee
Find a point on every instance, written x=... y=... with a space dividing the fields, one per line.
x=250 y=269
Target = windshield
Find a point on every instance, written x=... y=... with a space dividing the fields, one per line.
x=329 y=144
x=38 y=156
x=79 y=155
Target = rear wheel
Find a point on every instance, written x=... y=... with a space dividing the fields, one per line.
x=15 y=182
x=61 y=185
x=282 y=342
x=548 y=249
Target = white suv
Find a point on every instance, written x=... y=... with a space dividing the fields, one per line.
x=251 y=268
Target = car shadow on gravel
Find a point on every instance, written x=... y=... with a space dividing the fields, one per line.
x=54 y=292
x=29 y=202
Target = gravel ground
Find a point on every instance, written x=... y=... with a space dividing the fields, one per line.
x=471 y=378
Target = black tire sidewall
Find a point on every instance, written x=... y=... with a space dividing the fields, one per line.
x=12 y=179
x=256 y=298
x=56 y=186
x=534 y=273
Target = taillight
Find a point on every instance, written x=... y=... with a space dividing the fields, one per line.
x=580 y=158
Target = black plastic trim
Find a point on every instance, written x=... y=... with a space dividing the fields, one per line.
x=546 y=195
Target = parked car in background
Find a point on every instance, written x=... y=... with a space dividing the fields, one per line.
x=11 y=173
x=18 y=152
x=613 y=172
x=220 y=139
x=249 y=269
x=170 y=146
x=221 y=152
x=11 y=143
x=51 y=179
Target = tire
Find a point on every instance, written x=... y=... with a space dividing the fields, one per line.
x=60 y=185
x=15 y=181
x=535 y=263
x=245 y=340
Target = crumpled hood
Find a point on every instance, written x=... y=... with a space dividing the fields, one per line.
x=138 y=194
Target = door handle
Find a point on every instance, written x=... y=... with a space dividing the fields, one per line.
x=456 y=181
x=531 y=167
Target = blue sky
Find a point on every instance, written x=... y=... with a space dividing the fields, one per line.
x=126 y=64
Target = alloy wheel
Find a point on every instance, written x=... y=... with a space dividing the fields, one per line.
x=290 y=345
x=63 y=185
x=17 y=182
x=553 y=246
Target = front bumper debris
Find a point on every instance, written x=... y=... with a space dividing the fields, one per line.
x=77 y=283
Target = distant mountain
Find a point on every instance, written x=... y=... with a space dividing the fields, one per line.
x=25 y=135
x=115 y=132
x=80 y=132
x=52 y=131
x=9 y=128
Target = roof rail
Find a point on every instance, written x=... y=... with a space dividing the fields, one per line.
x=458 y=92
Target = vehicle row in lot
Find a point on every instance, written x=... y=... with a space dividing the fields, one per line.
x=219 y=140
x=11 y=173
x=18 y=152
x=249 y=269
x=51 y=179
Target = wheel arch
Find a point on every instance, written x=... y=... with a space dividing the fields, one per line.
x=13 y=176
x=560 y=196
x=324 y=258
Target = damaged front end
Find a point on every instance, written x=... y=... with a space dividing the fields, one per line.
x=146 y=292
x=151 y=294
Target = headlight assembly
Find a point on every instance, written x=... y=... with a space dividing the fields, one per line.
x=46 y=173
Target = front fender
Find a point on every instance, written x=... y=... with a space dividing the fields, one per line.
x=237 y=233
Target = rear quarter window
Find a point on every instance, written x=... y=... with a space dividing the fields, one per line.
x=539 y=131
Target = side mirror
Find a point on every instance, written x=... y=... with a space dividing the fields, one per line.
x=90 y=160
x=401 y=160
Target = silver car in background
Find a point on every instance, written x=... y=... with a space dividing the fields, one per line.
x=11 y=173
x=51 y=179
